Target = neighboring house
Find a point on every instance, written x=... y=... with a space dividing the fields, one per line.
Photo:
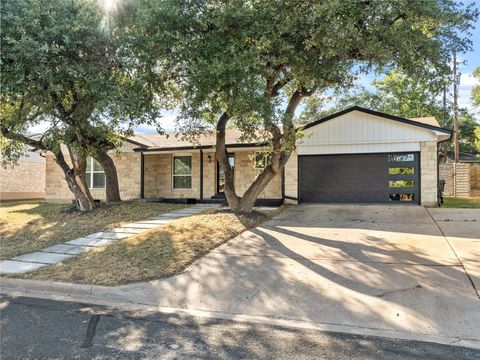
x=354 y=156
x=25 y=180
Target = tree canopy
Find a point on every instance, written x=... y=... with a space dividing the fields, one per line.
x=251 y=63
x=61 y=68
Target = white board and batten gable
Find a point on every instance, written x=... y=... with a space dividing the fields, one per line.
x=357 y=131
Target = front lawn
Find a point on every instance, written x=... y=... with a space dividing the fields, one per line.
x=32 y=225
x=461 y=202
x=159 y=253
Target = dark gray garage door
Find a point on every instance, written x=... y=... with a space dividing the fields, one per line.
x=359 y=178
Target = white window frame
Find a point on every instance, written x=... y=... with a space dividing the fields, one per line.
x=265 y=160
x=90 y=172
x=173 y=171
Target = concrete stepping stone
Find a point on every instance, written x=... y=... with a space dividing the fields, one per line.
x=140 y=225
x=18 y=267
x=174 y=215
x=66 y=249
x=85 y=241
x=124 y=231
x=159 y=222
x=109 y=235
x=43 y=258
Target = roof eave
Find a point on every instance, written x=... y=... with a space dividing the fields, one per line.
x=377 y=113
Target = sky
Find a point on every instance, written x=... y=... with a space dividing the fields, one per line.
x=467 y=82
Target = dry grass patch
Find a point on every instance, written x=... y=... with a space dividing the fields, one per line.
x=156 y=254
x=31 y=226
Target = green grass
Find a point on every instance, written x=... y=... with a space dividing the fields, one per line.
x=461 y=202
x=28 y=226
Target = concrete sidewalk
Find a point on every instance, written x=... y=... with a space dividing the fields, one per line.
x=58 y=253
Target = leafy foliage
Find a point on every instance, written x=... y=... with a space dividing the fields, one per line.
x=60 y=67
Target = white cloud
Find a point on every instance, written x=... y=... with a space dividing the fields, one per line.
x=467 y=82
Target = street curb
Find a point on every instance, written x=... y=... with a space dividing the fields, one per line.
x=112 y=298
x=45 y=286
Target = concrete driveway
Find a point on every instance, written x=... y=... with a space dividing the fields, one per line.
x=391 y=268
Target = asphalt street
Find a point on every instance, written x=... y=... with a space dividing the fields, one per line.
x=45 y=329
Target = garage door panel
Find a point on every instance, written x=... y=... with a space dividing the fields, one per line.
x=358 y=178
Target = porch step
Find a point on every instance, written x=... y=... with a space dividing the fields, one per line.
x=220 y=196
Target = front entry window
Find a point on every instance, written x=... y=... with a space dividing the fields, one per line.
x=221 y=174
x=95 y=176
x=182 y=172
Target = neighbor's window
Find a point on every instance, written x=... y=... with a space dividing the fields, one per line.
x=182 y=172
x=95 y=175
x=401 y=157
x=262 y=159
x=401 y=171
x=401 y=183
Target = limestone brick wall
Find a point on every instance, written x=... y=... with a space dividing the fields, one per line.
x=128 y=172
x=209 y=175
x=158 y=177
x=245 y=173
x=291 y=179
x=428 y=173
x=25 y=180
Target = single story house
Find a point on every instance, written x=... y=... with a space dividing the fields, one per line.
x=353 y=156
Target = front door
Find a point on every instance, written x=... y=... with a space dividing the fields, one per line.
x=221 y=174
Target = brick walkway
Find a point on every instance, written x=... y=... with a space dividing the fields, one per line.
x=58 y=253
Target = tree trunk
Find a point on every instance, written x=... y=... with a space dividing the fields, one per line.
x=283 y=145
x=112 y=189
x=75 y=178
x=222 y=156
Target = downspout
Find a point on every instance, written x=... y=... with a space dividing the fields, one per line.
x=142 y=176
x=283 y=184
x=201 y=174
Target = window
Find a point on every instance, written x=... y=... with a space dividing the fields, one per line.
x=262 y=159
x=401 y=171
x=402 y=197
x=182 y=172
x=401 y=157
x=401 y=183
x=95 y=176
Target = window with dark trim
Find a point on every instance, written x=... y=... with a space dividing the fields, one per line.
x=401 y=157
x=182 y=172
x=94 y=175
x=401 y=171
x=401 y=183
x=402 y=197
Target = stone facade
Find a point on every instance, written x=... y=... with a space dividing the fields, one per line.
x=245 y=174
x=428 y=173
x=128 y=172
x=25 y=180
x=291 y=179
x=158 y=176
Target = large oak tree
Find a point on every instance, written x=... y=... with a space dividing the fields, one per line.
x=251 y=63
x=61 y=66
